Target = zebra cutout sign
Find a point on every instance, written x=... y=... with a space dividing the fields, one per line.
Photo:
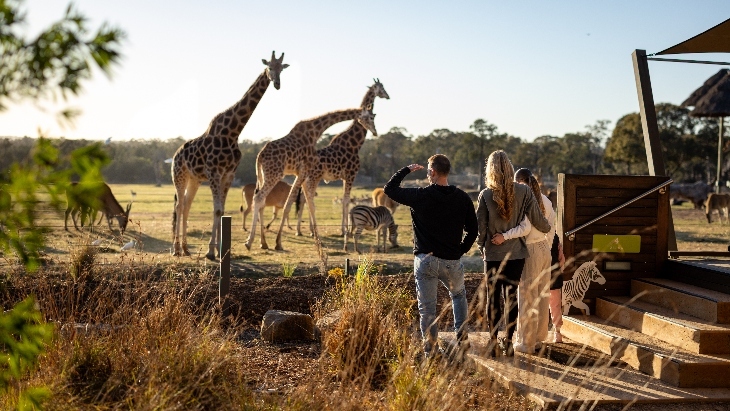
x=575 y=289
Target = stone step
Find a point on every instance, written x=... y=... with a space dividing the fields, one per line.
x=650 y=355
x=684 y=298
x=684 y=331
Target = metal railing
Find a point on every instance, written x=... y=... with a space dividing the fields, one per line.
x=661 y=188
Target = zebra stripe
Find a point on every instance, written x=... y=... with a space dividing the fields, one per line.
x=372 y=218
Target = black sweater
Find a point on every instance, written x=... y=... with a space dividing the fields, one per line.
x=440 y=214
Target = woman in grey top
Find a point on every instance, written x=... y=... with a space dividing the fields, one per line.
x=501 y=206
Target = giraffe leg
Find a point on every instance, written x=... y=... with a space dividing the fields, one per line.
x=259 y=202
x=287 y=208
x=246 y=211
x=345 y=202
x=192 y=189
x=290 y=199
x=182 y=191
x=216 y=189
x=299 y=219
x=220 y=192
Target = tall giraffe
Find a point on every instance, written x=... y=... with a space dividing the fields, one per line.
x=294 y=154
x=340 y=160
x=214 y=157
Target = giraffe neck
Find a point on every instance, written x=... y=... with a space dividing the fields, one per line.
x=369 y=98
x=230 y=123
x=319 y=124
x=353 y=137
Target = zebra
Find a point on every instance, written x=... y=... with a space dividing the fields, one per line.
x=372 y=218
x=575 y=289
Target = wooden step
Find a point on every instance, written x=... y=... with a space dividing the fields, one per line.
x=650 y=355
x=699 y=302
x=709 y=273
x=687 y=332
x=566 y=384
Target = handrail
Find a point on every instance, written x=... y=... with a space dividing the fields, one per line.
x=571 y=234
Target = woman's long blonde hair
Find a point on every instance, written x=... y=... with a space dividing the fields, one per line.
x=498 y=178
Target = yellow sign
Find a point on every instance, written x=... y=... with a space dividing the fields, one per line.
x=609 y=243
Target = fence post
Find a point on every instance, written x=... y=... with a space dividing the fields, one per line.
x=347 y=267
x=224 y=282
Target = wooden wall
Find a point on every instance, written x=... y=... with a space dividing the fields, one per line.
x=584 y=197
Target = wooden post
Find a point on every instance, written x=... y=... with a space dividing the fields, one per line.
x=652 y=144
x=719 y=156
x=224 y=282
x=347 y=267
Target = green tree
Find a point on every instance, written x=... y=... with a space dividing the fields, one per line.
x=625 y=150
x=484 y=132
x=56 y=62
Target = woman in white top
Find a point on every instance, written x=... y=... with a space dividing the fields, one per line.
x=533 y=293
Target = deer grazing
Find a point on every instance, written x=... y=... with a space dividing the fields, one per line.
x=107 y=204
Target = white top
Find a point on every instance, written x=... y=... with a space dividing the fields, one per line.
x=534 y=236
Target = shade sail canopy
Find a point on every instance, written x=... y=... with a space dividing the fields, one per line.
x=709 y=85
x=715 y=100
x=714 y=40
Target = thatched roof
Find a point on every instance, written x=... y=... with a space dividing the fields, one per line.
x=713 y=98
x=700 y=92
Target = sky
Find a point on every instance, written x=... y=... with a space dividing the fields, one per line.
x=531 y=68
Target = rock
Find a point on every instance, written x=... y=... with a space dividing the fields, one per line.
x=280 y=326
x=326 y=324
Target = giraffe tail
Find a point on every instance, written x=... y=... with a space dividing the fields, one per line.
x=174 y=215
x=259 y=176
x=297 y=203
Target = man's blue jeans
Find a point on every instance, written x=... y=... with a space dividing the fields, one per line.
x=429 y=270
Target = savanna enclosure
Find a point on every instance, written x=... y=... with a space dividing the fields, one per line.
x=142 y=328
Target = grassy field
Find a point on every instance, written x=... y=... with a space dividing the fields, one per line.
x=150 y=226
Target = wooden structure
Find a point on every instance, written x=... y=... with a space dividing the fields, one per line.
x=582 y=198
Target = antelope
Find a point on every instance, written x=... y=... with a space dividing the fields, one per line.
x=276 y=199
x=107 y=203
x=382 y=199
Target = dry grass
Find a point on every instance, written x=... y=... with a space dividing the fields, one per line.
x=140 y=336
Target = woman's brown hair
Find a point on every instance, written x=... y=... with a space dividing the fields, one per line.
x=524 y=175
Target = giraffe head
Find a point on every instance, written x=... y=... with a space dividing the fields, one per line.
x=367 y=119
x=379 y=89
x=274 y=68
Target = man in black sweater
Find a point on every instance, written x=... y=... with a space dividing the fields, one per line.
x=441 y=214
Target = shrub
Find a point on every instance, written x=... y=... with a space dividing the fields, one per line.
x=373 y=327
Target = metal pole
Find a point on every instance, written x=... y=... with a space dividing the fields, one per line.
x=719 y=156
x=224 y=282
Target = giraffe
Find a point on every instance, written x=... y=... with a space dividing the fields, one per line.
x=340 y=160
x=294 y=154
x=214 y=157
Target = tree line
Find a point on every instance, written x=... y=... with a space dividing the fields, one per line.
x=689 y=146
